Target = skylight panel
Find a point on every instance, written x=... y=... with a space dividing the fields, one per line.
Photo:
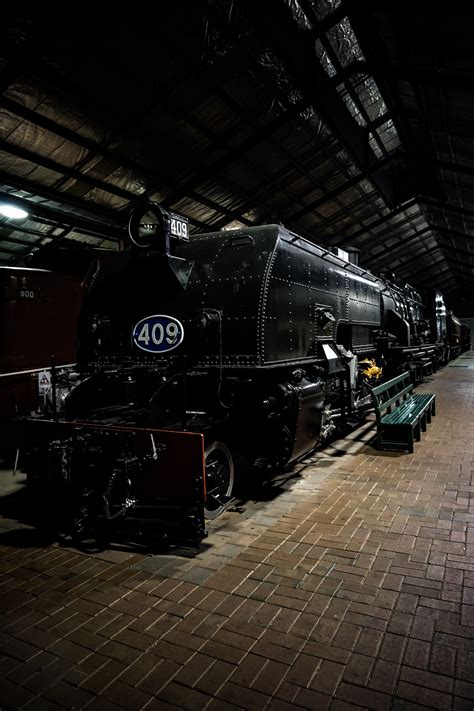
x=345 y=43
x=388 y=135
x=369 y=96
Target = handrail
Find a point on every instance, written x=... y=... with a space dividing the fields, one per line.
x=35 y=370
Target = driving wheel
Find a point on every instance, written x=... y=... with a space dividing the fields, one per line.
x=219 y=479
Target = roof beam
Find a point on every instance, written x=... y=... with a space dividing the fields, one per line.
x=233 y=155
x=437 y=263
x=55 y=128
x=447 y=281
x=398 y=245
x=444 y=260
x=9 y=250
x=449 y=207
x=459 y=250
x=376 y=223
x=15 y=240
x=422 y=255
x=454 y=234
x=444 y=164
x=57 y=216
x=342 y=188
x=62 y=170
x=56 y=238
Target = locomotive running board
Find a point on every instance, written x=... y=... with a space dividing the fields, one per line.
x=167 y=468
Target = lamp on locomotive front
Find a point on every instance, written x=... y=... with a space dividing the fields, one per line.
x=152 y=227
x=148 y=227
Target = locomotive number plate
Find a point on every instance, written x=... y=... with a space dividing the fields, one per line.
x=179 y=226
x=158 y=333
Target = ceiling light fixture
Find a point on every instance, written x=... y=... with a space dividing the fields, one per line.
x=14 y=213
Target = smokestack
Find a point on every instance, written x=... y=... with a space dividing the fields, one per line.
x=353 y=253
x=350 y=254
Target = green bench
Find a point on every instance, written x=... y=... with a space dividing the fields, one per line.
x=401 y=413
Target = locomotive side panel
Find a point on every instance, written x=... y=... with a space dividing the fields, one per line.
x=231 y=284
x=364 y=301
x=301 y=284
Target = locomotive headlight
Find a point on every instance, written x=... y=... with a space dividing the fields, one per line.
x=151 y=226
x=147 y=225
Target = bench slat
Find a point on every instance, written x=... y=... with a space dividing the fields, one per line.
x=384 y=404
x=404 y=415
x=400 y=378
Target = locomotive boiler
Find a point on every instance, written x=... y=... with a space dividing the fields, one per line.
x=200 y=358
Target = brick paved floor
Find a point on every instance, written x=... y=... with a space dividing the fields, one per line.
x=351 y=587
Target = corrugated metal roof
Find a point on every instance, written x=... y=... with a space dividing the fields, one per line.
x=349 y=122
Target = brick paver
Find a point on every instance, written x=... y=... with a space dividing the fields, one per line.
x=349 y=584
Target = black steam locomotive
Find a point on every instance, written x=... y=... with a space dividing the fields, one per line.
x=201 y=357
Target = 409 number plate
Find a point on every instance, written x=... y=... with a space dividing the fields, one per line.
x=158 y=333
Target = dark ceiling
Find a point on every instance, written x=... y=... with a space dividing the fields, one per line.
x=350 y=122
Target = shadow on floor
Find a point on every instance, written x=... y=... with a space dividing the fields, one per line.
x=29 y=519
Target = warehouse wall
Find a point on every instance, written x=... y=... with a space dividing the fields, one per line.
x=469 y=322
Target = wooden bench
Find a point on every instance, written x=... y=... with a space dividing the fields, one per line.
x=401 y=413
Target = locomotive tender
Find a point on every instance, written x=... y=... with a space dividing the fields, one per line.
x=242 y=349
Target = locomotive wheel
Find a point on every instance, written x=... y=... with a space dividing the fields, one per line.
x=117 y=498
x=219 y=479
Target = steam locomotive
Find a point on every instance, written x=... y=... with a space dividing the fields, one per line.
x=202 y=357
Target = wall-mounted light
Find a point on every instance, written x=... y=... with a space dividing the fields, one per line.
x=14 y=213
